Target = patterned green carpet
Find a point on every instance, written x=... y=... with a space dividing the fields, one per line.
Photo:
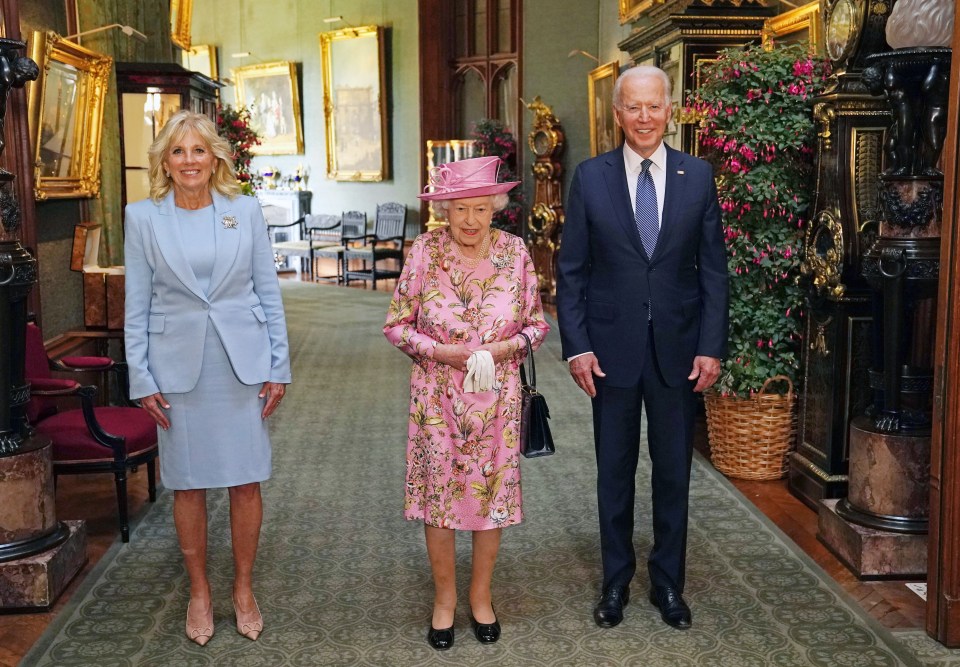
x=342 y=579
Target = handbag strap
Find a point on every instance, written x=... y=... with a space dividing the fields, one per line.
x=533 y=366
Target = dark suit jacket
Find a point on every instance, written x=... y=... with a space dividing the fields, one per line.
x=605 y=279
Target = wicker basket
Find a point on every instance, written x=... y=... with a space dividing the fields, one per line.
x=750 y=438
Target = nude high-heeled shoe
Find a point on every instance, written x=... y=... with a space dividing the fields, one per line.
x=202 y=632
x=249 y=623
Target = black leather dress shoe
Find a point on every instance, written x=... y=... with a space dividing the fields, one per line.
x=440 y=639
x=486 y=633
x=673 y=610
x=609 y=611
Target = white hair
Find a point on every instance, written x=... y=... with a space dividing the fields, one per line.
x=440 y=207
x=644 y=71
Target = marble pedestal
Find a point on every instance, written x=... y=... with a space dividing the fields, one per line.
x=871 y=553
x=38 y=554
x=880 y=529
x=34 y=583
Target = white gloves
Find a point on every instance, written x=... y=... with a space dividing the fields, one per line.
x=480 y=372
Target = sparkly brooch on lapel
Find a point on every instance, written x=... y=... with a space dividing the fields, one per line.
x=229 y=222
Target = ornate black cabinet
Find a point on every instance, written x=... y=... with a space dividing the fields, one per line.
x=149 y=93
x=838 y=323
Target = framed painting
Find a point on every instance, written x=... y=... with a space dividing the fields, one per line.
x=605 y=134
x=800 y=24
x=65 y=116
x=630 y=10
x=270 y=92
x=181 y=12
x=354 y=101
x=201 y=58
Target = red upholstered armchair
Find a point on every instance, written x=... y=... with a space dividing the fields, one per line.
x=90 y=438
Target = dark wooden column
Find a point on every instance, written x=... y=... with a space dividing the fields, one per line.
x=943 y=573
x=18 y=158
x=436 y=89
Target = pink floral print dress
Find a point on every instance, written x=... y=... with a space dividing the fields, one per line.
x=463 y=459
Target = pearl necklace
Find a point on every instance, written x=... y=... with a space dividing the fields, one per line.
x=481 y=252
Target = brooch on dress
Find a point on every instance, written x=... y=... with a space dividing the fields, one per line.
x=500 y=260
x=229 y=222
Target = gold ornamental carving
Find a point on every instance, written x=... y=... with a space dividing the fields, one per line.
x=823 y=255
x=866 y=162
x=824 y=115
x=546 y=141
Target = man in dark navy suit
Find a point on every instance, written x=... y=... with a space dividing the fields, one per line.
x=642 y=303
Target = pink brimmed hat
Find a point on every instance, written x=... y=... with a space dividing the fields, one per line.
x=474 y=177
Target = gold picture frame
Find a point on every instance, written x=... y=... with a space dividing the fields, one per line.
x=181 y=14
x=630 y=10
x=605 y=133
x=201 y=58
x=271 y=94
x=802 y=23
x=354 y=104
x=65 y=116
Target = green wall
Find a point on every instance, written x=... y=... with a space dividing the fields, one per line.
x=61 y=290
x=289 y=30
x=552 y=29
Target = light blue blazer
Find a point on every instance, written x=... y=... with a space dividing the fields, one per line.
x=167 y=311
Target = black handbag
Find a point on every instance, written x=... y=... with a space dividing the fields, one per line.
x=535 y=437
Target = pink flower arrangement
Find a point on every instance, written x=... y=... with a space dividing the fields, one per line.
x=756 y=128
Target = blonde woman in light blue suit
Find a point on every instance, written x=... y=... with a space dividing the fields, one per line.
x=206 y=342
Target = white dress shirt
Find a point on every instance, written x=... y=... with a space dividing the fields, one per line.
x=633 y=163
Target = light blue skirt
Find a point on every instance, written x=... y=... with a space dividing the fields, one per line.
x=216 y=436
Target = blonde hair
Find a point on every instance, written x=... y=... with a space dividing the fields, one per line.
x=440 y=207
x=223 y=180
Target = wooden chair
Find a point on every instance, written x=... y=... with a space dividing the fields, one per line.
x=91 y=438
x=323 y=231
x=385 y=244
x=289 y=247
x=353 y=227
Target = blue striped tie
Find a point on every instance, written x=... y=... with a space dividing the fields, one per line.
x=646 y=210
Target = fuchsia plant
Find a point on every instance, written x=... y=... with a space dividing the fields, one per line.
x=756 y=128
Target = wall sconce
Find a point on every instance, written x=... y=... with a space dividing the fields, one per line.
x=583 y=53
x=125 y=29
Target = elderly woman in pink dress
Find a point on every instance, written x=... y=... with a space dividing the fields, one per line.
x=466 y=297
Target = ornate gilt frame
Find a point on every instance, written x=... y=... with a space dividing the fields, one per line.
x=631 y=9
x=804 y=19
x=606 y=73
x=85 y=118
x=278 y=78
x=355 y=73
x=181 y=14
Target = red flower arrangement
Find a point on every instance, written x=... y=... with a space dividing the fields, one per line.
x=233 y=124
x=493 y=139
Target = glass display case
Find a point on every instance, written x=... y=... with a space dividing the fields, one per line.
x=149 y=93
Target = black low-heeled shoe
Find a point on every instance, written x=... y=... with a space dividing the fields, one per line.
x=440 y=639
x=486 y=633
